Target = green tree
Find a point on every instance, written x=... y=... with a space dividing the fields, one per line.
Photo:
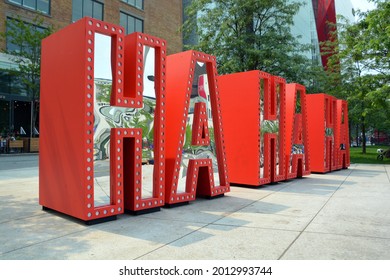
x=359 y=67
x=249 y=35
x=26 y=53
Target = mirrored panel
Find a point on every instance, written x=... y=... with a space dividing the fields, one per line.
x=297 y=136
x=262 y=150
x=275 y=130
x=144 y=118
x=102 y=128
x=200 y=93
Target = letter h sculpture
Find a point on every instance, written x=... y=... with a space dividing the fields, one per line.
x=93 y=141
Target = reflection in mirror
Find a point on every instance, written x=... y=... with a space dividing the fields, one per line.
x=298 y=105
x=102 y=92
x=269 y=126
x=200 y=93
x=276 y=130
x=298 y=141
x=107 y=117
x=262 y=151
x=144 y=119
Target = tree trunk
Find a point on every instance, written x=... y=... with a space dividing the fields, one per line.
x=357 y=135
x=363 y=135
x=35 y=116
x=350 y=133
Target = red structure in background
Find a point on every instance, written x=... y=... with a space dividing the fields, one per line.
x=325 y=13
x=66 y=181
x=180 y=78
x=256 y=154
x=342 y=135
x=297 y=142
x=322 y=117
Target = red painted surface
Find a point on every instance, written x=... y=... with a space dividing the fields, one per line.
x=297 y=165
x=253 y=159
x=132 y=97
x=180 y=75
x=242 y=134
x=321 y=118
x=278 y=112
x=342 y=135
x=67 y=127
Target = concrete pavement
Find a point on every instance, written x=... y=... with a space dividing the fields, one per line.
x=340 y=215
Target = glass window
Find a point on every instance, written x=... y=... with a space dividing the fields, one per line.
x=136 y=3
x=30 y=4
x=14 y=46
x=11 y=83
x=43 y=6
x=131 y=23
x=98 y=10
x=77 y=9
x=139 y=25
x=38 y=5
x=19 y=2
x=90 y=8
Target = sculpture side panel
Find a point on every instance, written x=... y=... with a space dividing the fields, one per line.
x=240 y=106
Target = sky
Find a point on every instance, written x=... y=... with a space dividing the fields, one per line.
x=362 y=5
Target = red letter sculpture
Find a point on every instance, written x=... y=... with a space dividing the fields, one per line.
x=195 y=153
x=297 y=144
x=253 y=106
x=321 y=119
x=342 y=134
x=92 y=141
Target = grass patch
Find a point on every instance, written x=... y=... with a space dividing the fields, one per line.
x=369 y=157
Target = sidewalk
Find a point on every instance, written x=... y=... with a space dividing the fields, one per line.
x=340 y=215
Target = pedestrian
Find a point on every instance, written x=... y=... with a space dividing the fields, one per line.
x=3 y=144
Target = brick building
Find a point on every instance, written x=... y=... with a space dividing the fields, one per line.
x=160 y=18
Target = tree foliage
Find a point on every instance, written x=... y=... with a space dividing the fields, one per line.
x=26 y=40
x=249 y=35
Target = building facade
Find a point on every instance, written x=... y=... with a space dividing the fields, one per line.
x=311 y=24
x=160 y=18
x=304 y=28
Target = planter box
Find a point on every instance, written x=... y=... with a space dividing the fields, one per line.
x=34 y=144
x=16 y=144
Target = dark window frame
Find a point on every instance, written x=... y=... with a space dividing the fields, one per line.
x=34 y=9
x=83 y=13
x=135 y=18
x=10 y=46
x=130 y=2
